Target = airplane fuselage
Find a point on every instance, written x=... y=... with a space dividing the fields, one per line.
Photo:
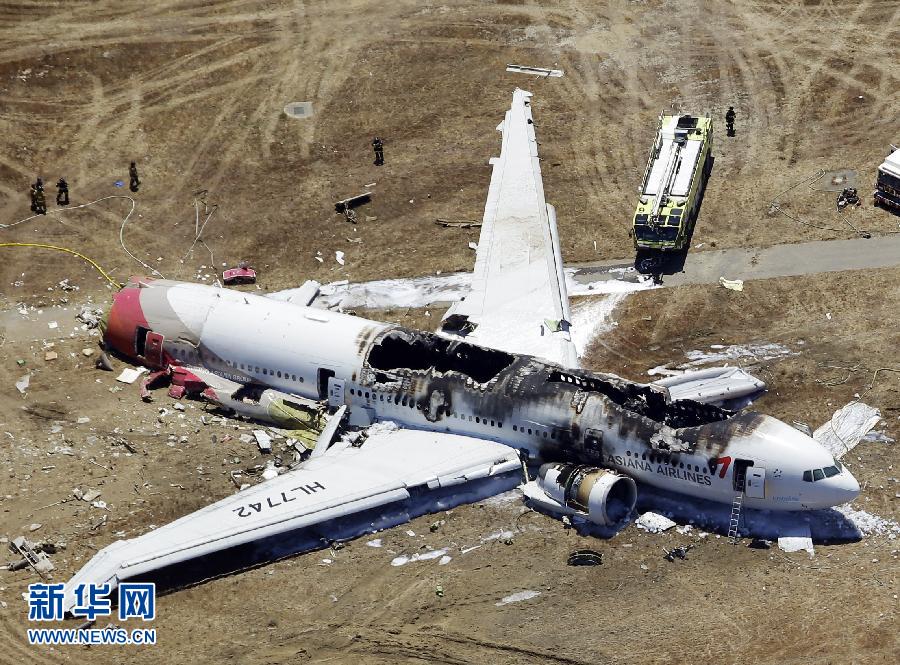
x=426 y=381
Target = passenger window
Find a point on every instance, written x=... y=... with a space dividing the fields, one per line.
x=529 y=430
x=643 y=456
x=352 y=391
x=818 y=474
x=553 y=436
x=492 y=424
x=404 y=400
x=477 y=419
x=545 y=434
x=500 y=425
x=279 y=374
x=515 y=428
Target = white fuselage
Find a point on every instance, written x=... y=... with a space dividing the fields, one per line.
x=554 y=413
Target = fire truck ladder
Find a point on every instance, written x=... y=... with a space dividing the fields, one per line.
x=665 y=185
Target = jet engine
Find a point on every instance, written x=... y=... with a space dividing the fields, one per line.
x=604 y=497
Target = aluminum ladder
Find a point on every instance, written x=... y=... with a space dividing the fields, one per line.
x=733 y=526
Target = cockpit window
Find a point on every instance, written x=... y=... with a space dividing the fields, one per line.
x=807 y=476
x=818 y=474
x=821 y=474
x=830 y=471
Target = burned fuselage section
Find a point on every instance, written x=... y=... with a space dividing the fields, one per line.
x=428 y=381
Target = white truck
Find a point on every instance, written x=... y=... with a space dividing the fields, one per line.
x=887 y=185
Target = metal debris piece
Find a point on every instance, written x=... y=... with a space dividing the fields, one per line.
x=732 y=284
x=679 y=552
x=31 y=555
x=457 y=223
x=23 y=383
x=130 y=374
x=263 y=440
x=536 y=71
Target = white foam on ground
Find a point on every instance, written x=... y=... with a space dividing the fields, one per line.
x=591 y=318
x=869 y=524
x=719 y=353
x=374 y=543
x=847 y=427
x=517 y=597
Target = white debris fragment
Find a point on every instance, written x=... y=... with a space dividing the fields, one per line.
x=732 y=284
x=83 y=420
x=339 y=257
x=473 y=245
x=796 y=544
x=270 y=471
x=445 y=560
x=796 y=537
x=130 y=374
x=35 y=526
x=53 y=325
x=517 y=597
x=654 y=522
x=747 y=352
x=90 y=495
x=374 y=543
x=263 y=440
x=23 y=383
x=418 y=556
x=847 y=427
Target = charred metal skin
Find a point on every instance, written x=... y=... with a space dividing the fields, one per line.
x=428 y=381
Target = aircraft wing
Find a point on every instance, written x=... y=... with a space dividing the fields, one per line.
x=401 y=472
x=518 y=300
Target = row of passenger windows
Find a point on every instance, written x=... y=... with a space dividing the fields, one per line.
x=406 y=400
x=190 y=354
x=659 y=459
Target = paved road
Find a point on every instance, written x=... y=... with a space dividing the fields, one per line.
x=778 y=261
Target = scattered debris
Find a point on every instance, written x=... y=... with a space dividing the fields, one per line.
x=473 y=245
x=339 y=257
x=457 y=223
x=32 y=555
x=53 y=325
x=517 y=597
x=130 y=374
x=654 y=522
x=732 y=284
x=263 y=440
x=439 y=591
x=847 y=427
x=585 y=558
x=243 y=274
x=679 y=552
x=418 y=556
x=374 y=543
x=536 y=71
x=50 y=355
x=87 y=353
x=23 y=383
x=346 y=206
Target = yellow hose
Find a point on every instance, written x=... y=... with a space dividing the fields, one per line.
x=68 y=251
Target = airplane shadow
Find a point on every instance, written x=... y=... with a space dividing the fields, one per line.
x=656 y=263
x=827 y=526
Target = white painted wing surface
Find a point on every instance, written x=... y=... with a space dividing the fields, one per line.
x=518 y=300
x=712 y=386
x=342 y=482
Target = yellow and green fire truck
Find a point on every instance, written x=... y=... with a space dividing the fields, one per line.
x=673 y=183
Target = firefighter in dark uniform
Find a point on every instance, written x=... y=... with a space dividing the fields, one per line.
x=729 y=121
x=62 y=192
x=134 y=181
x=378 y=147
x=37 y=197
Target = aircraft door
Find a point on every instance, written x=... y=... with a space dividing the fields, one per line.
x=593 y=445
x=153 y=349
x=324 y=376
x=335 y=392
x=756 y=482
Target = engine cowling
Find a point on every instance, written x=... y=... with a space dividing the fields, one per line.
x=603 y=496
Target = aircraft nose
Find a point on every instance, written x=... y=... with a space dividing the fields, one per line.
x=841 y=488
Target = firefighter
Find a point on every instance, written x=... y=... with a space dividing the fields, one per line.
x=134 y=182
x=62 y=192
x=40 y=203
x=729 y=121
x=378 y=147
x=33 y=198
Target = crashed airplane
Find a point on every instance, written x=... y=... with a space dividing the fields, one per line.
x=496 y=387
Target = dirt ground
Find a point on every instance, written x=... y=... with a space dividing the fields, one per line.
x=193 y=91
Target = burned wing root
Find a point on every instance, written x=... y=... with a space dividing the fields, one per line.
x=405 y=349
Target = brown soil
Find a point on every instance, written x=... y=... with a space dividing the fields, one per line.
x=193 y=92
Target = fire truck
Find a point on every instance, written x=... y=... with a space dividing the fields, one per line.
x=673 y=184
x=887 y=185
